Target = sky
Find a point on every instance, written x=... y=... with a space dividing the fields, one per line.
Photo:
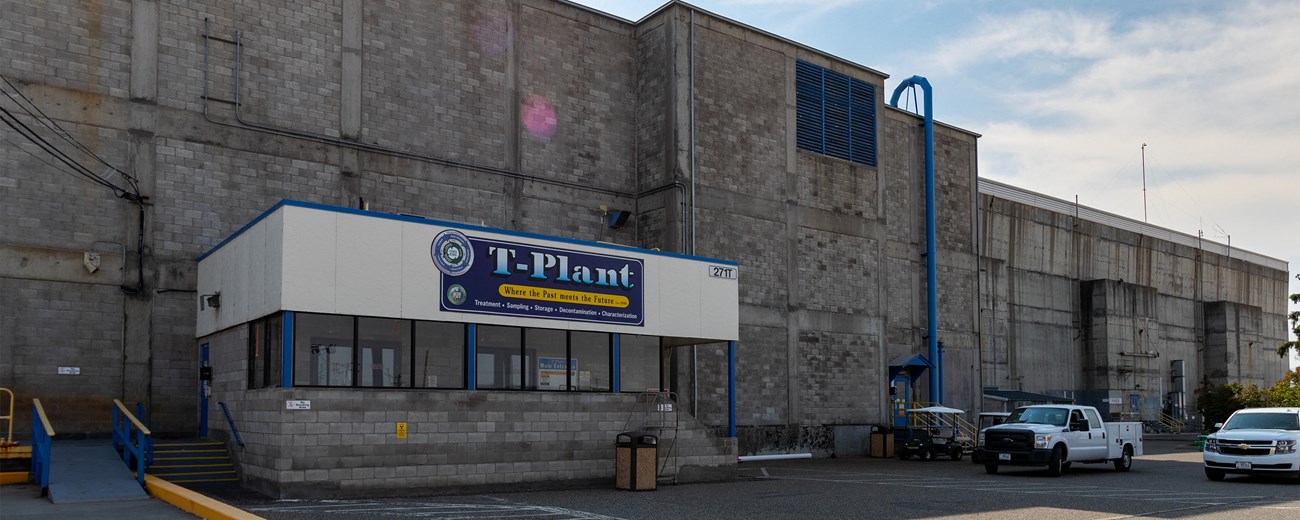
x=1065 y=95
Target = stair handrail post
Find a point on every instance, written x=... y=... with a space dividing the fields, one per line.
x=131 y=446
x=42 y=437
x=233 y=430
x=148 y=440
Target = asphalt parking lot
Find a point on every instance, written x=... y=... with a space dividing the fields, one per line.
x=1166 y=482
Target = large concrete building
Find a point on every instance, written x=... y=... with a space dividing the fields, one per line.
x=542 y=117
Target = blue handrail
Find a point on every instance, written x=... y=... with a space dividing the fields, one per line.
x=144 y=419
x=42 y=435
x=124 y=424
x=233 y=430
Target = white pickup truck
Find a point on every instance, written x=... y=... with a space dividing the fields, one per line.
x=1056 y=436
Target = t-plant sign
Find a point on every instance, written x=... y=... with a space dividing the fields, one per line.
x=495 y=277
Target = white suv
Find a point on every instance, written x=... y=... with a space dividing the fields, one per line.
x=1258 y=441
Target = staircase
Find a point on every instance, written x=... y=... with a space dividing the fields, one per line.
x=193 y=463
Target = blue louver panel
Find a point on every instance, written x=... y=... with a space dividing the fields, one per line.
x=863 y=130
x=808 y=115
x=835 y=114
x=836 y=92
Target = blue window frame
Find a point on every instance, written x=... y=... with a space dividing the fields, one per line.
x=835 y=114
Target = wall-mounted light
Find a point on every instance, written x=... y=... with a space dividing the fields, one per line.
x=614 y=218
x=212 y=300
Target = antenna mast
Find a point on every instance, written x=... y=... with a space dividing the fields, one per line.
x=1144 y=182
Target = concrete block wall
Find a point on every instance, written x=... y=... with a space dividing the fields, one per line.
x=346 y=444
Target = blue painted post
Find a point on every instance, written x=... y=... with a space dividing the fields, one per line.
x=203 y=392
x=614 y=379
x=471 y=359
x=931 y=271
x=286 y=351
x=731 y=389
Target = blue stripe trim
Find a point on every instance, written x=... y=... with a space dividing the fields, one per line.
x=614 y=379
x=731 y=389
x=432 y=222
x=286 y=351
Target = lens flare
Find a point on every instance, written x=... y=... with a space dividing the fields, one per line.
x=538 y=117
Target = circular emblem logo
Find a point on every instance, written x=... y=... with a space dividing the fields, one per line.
x=456 y=294
x=452 y=253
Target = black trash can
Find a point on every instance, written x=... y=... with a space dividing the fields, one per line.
x=636 y=459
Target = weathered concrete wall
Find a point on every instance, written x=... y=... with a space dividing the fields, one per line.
x=1086 y=310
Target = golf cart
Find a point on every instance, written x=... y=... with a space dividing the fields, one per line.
x=932 y=432
x=987 y=419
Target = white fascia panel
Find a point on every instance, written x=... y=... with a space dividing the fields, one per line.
x=720 y=316
x=421 y=280
x=368 y=266
x=679 y=305
x=309 y=260
x=273 y=263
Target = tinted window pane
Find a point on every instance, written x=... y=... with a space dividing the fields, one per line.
x=322 y=350
x=590 y=352
x=439 y=355
x=638 y=363
x=498 y=364
x=545 y=357
x=384 y=351
x=256 y=354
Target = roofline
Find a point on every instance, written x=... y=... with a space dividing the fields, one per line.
x=992 y=188
x=457 y=225
x=673 y=3
x=937 y=122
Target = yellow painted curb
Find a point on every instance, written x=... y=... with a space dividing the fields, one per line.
x=194 y=503
x=13 y=477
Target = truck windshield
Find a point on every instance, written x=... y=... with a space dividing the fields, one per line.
x=1052 y=416
x=1264 y=421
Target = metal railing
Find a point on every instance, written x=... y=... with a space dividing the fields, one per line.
x=42 y=435
x=124 y=424
x=233 y=430
x=9 y=435
x=1170 y=424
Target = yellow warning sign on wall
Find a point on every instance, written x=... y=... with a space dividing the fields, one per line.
x=401 y=430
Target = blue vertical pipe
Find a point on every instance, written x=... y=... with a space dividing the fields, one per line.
x=940 y=369
x=931 y=274
x=731 y=389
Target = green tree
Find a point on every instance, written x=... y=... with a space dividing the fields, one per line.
x=1216 y=403
x=1286 y=392
x=1294 y=345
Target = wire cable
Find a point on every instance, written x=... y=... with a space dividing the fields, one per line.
x=46 y=120
x=63 y=157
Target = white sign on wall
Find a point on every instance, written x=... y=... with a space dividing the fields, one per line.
x=69 y=371
x=297 y=405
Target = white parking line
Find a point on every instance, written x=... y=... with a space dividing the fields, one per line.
x=440 y=511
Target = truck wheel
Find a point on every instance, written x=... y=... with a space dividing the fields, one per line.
x=1065 y=466
x=1056 y=462
x=1125 y=461
x=927 y=454
x=1214 y=474
x=991 y=469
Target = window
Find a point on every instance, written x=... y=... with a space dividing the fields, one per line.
x=835 y=114
x=383 y=350
x=639 y=363
x=265 y=339
x=589 y=352
x=498 y=364
x=439 y=355
x=322 y=350
x=546 y=360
